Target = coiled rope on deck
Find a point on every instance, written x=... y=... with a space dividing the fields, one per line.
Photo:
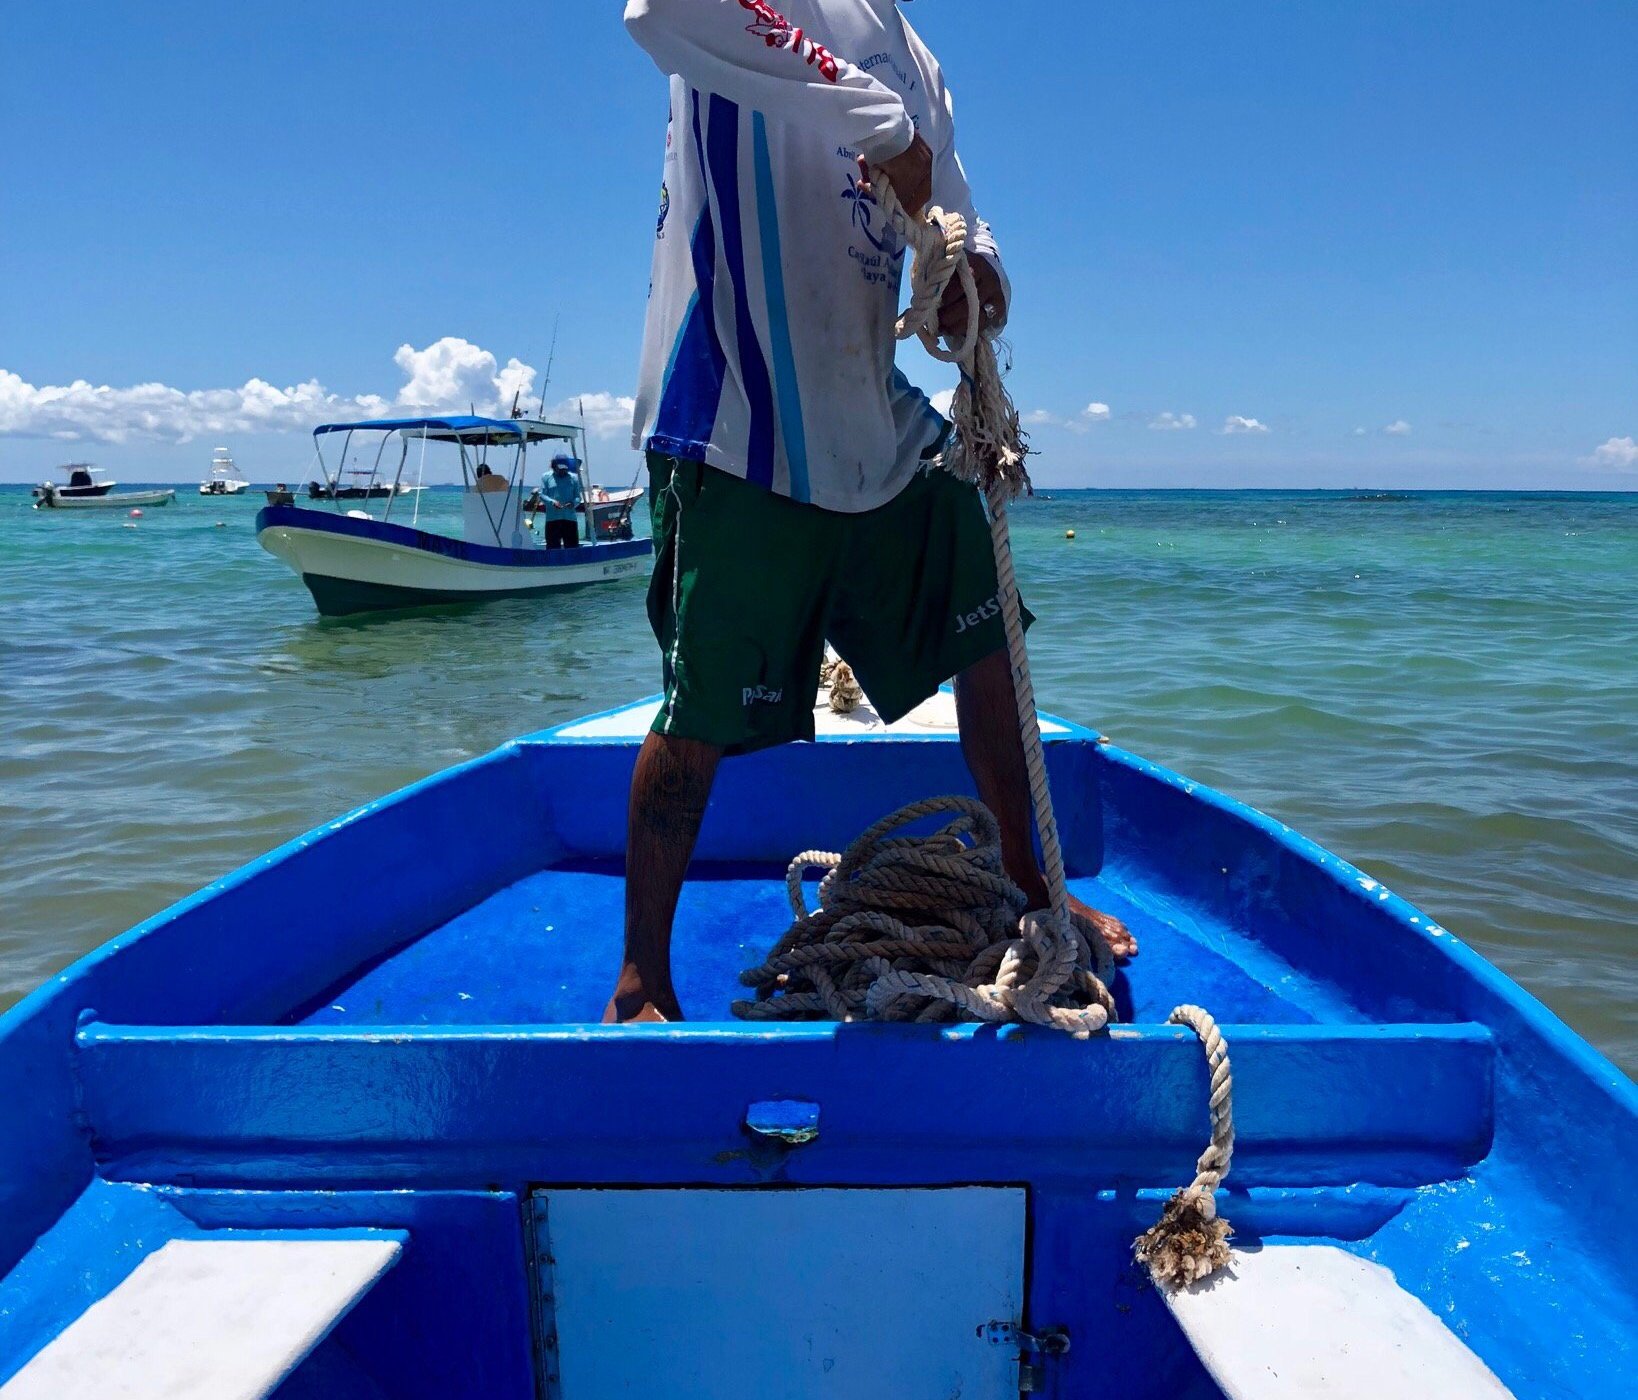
x=931 y=928
x=927 y=928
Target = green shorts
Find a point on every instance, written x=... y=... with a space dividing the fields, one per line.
x=748 y=586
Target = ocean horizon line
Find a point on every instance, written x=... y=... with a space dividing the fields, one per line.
x=1363 y=491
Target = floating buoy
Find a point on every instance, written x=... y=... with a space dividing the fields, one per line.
x=221 y=524
x=136 y=514
x=1069 y=534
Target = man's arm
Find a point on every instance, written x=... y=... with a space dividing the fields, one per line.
x=951 y=191
x=747 y=51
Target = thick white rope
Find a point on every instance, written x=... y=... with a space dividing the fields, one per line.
x=931 y=928
x=927 y=929
x=1190 y=1240
x=988 y=449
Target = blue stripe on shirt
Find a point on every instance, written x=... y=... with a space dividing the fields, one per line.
x=722 y=155
x=692 y=393
x=779 y=327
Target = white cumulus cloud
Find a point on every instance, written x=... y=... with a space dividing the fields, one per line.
x=82 y=411
x=453 y=374
x=1398 y=428
x=1617 y=454
x=1234 y=423
x=1172 y=422
x=943 y=399
x=450 y=375
x=1075 y=423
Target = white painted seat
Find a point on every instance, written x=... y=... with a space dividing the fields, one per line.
x=1316 y=1322
x=207 y=1319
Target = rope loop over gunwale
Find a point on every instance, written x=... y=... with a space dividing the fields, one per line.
x=1190 y=1240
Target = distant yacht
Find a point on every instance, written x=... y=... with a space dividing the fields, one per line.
x=224 y=476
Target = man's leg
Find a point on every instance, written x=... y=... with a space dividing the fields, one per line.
x=917 y=603
x=987 y=711
x=669 y=789
x=737 y=605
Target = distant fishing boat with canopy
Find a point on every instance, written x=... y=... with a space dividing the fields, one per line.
x=353 y=562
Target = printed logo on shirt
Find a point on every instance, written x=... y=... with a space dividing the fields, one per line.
x=880 y=262
x=760 y=695
x=907 y=84
x=777 y=32
x=665 y=209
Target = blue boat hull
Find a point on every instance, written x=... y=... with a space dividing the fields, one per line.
x=352 y=564
x=384 y=1025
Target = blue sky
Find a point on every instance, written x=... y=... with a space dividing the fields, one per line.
x=1400 y=239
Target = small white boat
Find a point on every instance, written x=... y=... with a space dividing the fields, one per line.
x=88 y=488
x=224 y=479
x=352 y=562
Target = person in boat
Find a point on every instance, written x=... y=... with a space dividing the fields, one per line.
x=560 y=495
x=793 y=474
x=486 y=479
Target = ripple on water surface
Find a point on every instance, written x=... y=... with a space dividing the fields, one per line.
x=1440 y=687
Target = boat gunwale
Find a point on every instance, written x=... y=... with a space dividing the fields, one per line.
x=1371 y=894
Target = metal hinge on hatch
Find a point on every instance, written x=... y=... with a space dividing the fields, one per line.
x=1033 y=1349
x=537 y=1240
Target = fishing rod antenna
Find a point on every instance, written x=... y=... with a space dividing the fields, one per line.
x=551 y=355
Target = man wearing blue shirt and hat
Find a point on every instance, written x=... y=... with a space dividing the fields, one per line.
x=561 y=494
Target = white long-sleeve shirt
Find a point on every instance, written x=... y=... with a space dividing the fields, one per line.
x=768 y=350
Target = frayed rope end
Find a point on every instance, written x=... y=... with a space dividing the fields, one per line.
x=1188 y=1243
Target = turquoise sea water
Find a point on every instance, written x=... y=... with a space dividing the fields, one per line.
x=1441 y=687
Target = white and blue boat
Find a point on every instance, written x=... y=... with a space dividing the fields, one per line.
x=89 y=488
x=352 y=562
x=342 y=1124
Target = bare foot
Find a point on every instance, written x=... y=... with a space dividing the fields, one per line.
x=632 y=1002
x=1112 y=930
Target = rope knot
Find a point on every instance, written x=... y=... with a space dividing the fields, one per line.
x=989 y=446
x=1190 y=1241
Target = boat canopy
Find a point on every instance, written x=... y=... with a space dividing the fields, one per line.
x=463 y=428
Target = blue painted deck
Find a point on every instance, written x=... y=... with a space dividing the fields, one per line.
x=383 y=1026
x=538 y=952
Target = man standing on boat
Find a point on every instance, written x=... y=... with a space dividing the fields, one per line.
x=560 y=493
x=792 y=467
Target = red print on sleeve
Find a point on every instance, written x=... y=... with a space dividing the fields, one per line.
x=777 y=32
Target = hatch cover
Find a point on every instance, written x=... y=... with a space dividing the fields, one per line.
x=703 y=1294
